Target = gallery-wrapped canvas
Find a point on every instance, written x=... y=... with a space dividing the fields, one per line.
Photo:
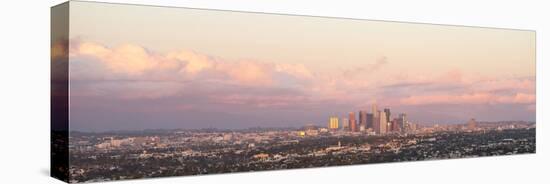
x=147 y=91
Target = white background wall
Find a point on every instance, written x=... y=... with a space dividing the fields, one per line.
x=24 y=90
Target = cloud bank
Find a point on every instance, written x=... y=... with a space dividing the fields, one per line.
x=192 y=81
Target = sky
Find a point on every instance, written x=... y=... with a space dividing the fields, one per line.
x=141 y=67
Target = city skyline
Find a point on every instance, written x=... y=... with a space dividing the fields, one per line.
x=350 y=122
x=143 y=92
x=124 y=76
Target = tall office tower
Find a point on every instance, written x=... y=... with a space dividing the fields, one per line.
x=345 y=124
x=395 y=125
x=402 y=119
x=369 y=120
x=375 y=118
x=333 y=123
x=388 y=114
x=376 y=122
x=352 y=122
x=383 y=123
x=362 y=120
x=375 y=110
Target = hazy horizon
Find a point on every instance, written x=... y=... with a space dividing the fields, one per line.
x=140 y=67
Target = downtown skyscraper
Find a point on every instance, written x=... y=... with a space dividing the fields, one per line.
x=401 y=120
x=370 y=120
x=333 y=123
x=375 y=118
x=362 y=120
x=353 y=122
x=378 y=122
x=383 y=127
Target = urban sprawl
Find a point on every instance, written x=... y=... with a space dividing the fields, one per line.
x=368 y=137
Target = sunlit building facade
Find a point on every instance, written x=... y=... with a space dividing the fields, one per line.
x=333 y=123
x=353 y=122
x=383 y=123
x=345 y=123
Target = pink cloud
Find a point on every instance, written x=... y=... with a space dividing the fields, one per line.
x=168 y=74
x=136 y=62
x=471 y=98
x=298 y=70
x=148 y=74
x=124 y=59
x=194 y=62
x=517 y=84
x=249 y=73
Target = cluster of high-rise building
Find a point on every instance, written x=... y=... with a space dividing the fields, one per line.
x=375 y=121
